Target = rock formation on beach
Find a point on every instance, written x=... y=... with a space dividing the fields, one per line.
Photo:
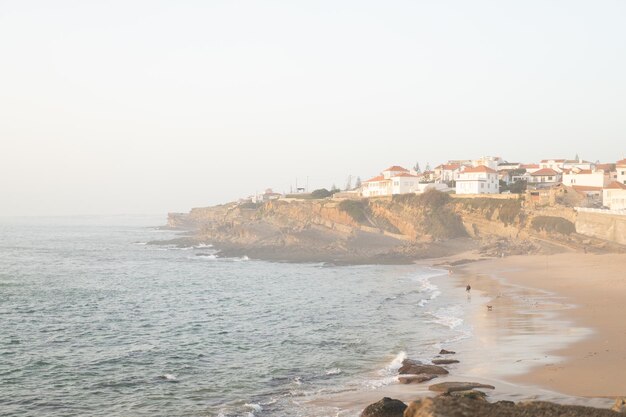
x=466 y=406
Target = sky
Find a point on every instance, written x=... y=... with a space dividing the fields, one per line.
x=156 y=106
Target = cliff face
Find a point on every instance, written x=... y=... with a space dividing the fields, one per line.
x=403 y=225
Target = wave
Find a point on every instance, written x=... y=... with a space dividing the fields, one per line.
x=428 y=287
x=451 y=316
x=333 y=371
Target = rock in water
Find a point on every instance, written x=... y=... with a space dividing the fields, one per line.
x=448 y=406
x=446 y=352
x=448 y=387
x=410 y=366
x=444 y=361
x=620 y=405
x=417 y=379
x=387 y=407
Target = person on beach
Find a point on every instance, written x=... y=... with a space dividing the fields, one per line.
x=468 y=288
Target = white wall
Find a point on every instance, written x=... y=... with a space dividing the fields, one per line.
x=595 y=179
x=477 y=183
x=614 y=199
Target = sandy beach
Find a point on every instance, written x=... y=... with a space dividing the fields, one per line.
x=583 y=295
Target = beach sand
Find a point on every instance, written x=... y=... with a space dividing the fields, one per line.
x=583 y=295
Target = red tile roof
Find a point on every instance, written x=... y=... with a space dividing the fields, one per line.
x=529 y=166
x=615 y=185
x=480 y=168
x=405 y=174
x=396 y=168
x=586 y=188
x=621 y=162
x=606 y=167
x=544 y=172
x=377 y=178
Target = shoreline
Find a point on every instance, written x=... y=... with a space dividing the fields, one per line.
x=590 y=290
x=531 y=342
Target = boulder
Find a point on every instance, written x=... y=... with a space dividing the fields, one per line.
x=620 y=405
x=444 y=361
x=446 y=352
x=416 y=379
x=448 y=387
x=449 y=406
x=413 y=367
x=387 y=407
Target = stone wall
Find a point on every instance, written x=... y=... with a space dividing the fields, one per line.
x=611 y=227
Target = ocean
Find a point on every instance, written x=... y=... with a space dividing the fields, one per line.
x=96 y=322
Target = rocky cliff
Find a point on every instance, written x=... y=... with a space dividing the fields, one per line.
x=387 y=229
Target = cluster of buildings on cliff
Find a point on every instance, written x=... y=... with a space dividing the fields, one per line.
x=592 y=184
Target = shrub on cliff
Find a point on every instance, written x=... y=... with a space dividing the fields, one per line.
x=434 y=214
x=356 y=209
x=552 y=224
x=321 y=193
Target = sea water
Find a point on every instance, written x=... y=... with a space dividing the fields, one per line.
x=94 y=321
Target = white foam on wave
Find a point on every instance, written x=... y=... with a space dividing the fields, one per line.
x=203 y=257
x=203 y=245
x=450 y=316
x=333 y=371
x=428 y=287
x=253 y=406
x=388 y=374
x=169 y=377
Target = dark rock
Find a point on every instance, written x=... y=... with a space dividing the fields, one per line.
x=416 y=379
x=448 y=387
x=444 y=361
x=446 y=352
x=413 y=367
x=387 y=407
x=449 y=406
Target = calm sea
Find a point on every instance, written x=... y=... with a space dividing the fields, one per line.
x=95 y=322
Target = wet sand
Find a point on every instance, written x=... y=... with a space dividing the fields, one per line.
x=556 y=332
x=583 y=295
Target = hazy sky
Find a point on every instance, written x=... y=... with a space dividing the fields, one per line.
x=155 y=106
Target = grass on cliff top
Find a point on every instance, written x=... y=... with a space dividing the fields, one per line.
x=508 y=210
x=553 y=224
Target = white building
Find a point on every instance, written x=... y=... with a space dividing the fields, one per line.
x=447 y=172
x=614 y=196
x=545 y=177
x=488 y=161
x=620 y=167
x=478 y=180
x=393 y=180
x=554 y=164
x=586 y=177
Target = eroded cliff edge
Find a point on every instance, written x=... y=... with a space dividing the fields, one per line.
x=396 y=229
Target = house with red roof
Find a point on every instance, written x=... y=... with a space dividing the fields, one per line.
x=544 y=178
x=447 y=172
x=596 y=177
x=614 y=196
x=393 y=180
x=620 y=167
x=478 y=180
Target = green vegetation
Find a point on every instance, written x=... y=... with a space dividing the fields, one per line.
x=358 y=210
x=435 y=213
x=508 y=210
x=321 y=193
x=552 y=224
